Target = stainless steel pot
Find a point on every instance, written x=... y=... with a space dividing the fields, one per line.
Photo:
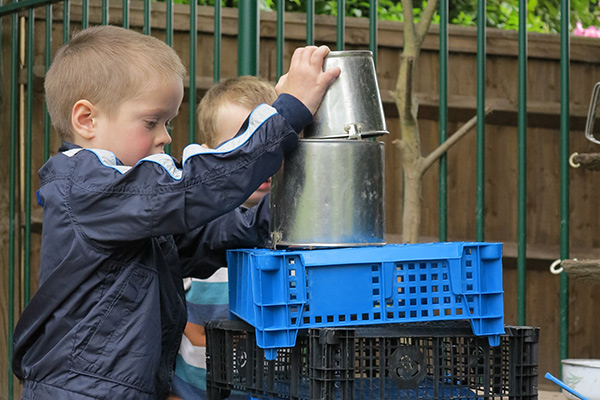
x=329 y=193
x=352 y=105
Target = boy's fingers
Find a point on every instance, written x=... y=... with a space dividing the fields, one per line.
x=318 y=55
x=280 y=83
x=302 y=55
x=307 y=52
x=296 y=57
x=306 y=79
x=331 y=75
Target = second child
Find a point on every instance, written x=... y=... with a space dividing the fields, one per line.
x=221 y=114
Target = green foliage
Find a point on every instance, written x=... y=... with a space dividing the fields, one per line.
x=542 y=15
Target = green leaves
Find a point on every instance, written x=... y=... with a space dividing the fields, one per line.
x=542 y=15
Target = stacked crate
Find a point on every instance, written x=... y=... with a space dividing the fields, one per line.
x=386 y=322
x=280 y=292
x=428 y=360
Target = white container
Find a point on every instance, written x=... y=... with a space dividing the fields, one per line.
x=582 y=375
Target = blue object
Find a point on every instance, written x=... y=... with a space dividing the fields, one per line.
x=369 y=388
x=428 y=389
x=563 y=385
x=282 y=291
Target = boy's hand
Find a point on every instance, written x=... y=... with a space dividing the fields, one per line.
x=306 y=79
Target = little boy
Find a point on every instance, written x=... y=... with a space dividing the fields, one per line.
x=225 y=107
x=221 y=113
x=124 y=223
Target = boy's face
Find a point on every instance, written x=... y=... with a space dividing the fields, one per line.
x=229 y=120
x=139 y=128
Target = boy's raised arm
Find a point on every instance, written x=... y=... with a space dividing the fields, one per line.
x=306 y=79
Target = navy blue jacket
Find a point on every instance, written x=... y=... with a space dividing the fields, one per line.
x=107 y=319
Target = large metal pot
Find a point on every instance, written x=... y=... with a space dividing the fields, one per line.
x=352 y=105
x=329 y=193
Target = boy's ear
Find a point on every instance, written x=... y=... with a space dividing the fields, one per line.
x=82 y=119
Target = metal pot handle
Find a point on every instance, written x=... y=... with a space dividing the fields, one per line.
x=591 y=117
x=354 y=131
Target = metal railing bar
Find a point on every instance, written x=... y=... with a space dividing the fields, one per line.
x=373 y=29
x=248 y=39
x=169 y=42
x=66 y=20
x=192 y=72
x=47 y=61
x=564 y=176
x=310 y=22
x=217 y=42
x=126 y=14
x=341 y=14
x=443 y=121
x=280 y=38
x=14 y=74
x=169 y=23
x=522 y=167
x=480 y=176
x=28 y=158
x=85 y=11
x=105 y=12
x=147 y=23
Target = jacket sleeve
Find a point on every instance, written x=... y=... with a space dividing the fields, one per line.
x=108 y=202
x=203 y=250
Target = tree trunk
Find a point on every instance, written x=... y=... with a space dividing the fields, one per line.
x=410 y=143
x=414 y=164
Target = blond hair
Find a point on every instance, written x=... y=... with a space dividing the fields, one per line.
x=247 y=91
x=106 y=65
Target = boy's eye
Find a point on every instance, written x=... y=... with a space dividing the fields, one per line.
x=151 y=124
x=169 y=124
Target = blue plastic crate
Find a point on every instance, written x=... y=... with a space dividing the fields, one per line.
x=282 y=291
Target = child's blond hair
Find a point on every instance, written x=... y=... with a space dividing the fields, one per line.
x=247 y=91
x=106 y=65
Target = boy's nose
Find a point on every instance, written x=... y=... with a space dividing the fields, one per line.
x=165 y=138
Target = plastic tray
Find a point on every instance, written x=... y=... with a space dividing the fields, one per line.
x=282 y=291
x=426 y=360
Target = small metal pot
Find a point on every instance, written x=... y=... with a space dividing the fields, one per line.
x=352 y=105
x=329 y=193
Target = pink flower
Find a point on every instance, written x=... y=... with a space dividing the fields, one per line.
x=578 y=31
x=591 y=31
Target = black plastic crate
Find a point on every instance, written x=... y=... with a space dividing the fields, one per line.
x=400 y=361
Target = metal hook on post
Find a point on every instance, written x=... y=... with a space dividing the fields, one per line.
x=572 y=162
x=555 y=267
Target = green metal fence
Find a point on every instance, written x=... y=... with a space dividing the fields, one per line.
x=18 y=83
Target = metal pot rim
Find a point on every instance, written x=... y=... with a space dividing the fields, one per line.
x=349 y=53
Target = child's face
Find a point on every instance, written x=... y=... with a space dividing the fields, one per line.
x=229 y=120
x=139 y=128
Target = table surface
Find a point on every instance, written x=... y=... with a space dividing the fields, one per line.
x=550 y=395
